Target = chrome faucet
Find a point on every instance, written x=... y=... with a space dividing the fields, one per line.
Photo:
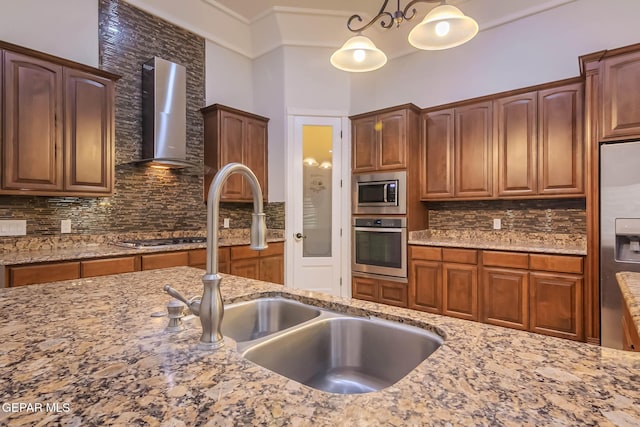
x=210 y=308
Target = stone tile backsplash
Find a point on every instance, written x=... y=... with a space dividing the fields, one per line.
x=557 y=216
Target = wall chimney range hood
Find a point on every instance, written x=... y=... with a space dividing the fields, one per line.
x=164 y=115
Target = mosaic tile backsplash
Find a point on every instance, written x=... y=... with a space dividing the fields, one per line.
x=558 y=216
x=145 y=199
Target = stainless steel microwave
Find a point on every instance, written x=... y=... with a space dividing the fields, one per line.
x=380 y=193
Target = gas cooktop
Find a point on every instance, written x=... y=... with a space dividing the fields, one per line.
x=150 y=243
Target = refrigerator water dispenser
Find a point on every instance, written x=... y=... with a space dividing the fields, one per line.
x=627 y=247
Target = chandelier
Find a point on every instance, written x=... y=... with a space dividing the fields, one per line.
x=442 y=28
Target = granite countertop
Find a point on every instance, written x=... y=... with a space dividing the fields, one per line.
x=565 y=244
x=85 y=251
x=630 y=287
x=91 y=347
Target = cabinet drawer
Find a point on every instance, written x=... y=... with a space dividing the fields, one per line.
x=462 y=256
x=364 y=288
x=198 y=257
x=243 y=252
x=505 y=259
x=393 y=293
x=104 y=267
x=427 y=253
x=558 y=263
x=31 y=274
x=276 y=248
x=164 y=260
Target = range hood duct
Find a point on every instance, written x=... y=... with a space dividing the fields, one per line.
x=164 y=115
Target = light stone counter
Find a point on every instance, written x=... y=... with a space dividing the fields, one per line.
x=630 y=287
x=91 y=344
x=566 y=244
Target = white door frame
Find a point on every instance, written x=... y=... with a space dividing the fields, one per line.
x=345 y=196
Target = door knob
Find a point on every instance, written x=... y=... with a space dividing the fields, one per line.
x=299 y=236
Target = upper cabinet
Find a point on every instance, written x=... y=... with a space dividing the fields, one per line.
x=230 y=136
x=524 y=145
x=57 y=127
x=620 y=101
x=381 y=139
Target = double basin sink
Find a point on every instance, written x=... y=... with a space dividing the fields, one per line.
x=326 y=350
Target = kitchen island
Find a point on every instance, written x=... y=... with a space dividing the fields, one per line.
x=90 y=349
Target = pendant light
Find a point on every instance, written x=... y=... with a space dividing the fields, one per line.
x=443 y=28
x=358 y=55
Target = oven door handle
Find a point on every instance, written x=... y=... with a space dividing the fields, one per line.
x=385 y=188
x=384 y=230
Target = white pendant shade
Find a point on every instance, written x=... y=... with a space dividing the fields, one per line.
x=358 y=54
x=443 y=28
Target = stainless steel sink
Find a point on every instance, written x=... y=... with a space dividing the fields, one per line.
x=345 y=354
x=251 y=320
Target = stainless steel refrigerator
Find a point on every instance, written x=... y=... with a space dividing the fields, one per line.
x=619 y=231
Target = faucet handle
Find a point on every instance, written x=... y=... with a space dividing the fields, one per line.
x=193 y=303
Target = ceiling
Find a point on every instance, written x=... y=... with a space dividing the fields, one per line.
x=250 y=9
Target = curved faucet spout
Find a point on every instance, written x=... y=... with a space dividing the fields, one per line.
x=211 y=306
x=258 y=223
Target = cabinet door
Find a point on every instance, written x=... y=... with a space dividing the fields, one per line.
x=516 y=136
x=364 y=288
x=249 y=268
x=425 y=285
x=460 y=291
x=255 y=154
x=630 y=337
x=88 y=132
x=621 y=103
x=32 y=157
x=437 y=155
x=505 y=298
x=560 y=142
x=231 y=149
x=392 y=293
x=272 y=269
x=473 y=151
x=364 y=139
x=392 y=140
x=556 y=305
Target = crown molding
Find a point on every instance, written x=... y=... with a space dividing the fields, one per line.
x=552 y=4
x=227 y=11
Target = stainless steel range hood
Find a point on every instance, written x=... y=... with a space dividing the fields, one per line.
x=164 y=114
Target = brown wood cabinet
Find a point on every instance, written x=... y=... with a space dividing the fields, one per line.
x=473 y=151
x=620 y=104
x=268 y=265
x=57 y=127
x=425 y=278
x=517 y=144
x=630 y=336
x=379 y=290
x=437 y=152
x=521 y=144
x=381 y=139
x=232 y=135
x=560 y=140
x=535 y=292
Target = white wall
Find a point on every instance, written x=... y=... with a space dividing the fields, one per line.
x=537 y=49
x=228 y=77
x=269 y=90
x=65 y=28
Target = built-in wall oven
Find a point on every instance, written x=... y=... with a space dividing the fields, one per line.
x=381 y=193
x=380 y=246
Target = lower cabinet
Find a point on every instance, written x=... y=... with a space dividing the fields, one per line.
x=267 y=265
x=630 y=336
x=533 y=292
x=379 y=290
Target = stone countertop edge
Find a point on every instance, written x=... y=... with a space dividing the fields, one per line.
x=108 y=250
x=91 y=344
x=630 y=287
x=500 y=246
